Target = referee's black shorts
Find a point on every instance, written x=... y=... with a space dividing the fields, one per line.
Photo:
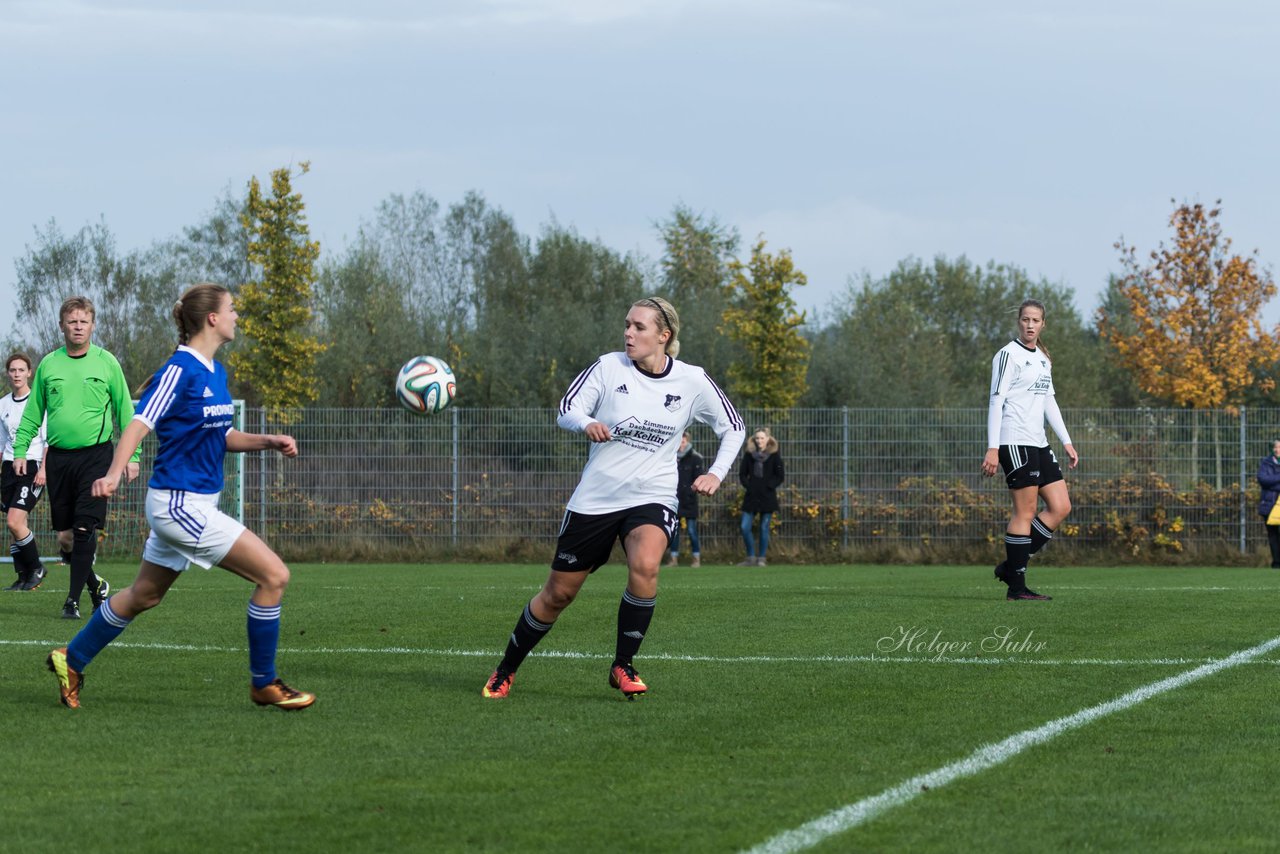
x=71 y=474
x=1027 y=465
x=586 y=541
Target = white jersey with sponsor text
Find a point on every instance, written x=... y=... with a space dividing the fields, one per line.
x=646 y=415
x=1024 y=378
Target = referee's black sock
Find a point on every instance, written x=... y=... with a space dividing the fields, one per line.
x=1040 y=534
x=634 y=615
x=82 y=549
x=1017 y=549
x=528 y=631
x=65 y=556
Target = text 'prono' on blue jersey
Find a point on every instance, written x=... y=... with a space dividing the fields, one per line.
x=188 y=406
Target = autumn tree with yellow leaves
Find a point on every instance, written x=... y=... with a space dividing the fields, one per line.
x=276 y=367
x=1193 y=334
x=762 y=317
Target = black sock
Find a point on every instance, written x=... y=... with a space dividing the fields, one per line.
x=634 y=615
x=19 y=565
x=524 y=638
x=82 y=566
x=29 y=551
x=1017 y=549
x=65 y=555
x=1040 y=534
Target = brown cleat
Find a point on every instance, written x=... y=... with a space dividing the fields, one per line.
x=69 y=681
x=281 y=696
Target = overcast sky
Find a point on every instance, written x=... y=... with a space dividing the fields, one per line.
x=854 y=133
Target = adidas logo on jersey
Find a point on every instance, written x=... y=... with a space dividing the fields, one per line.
x=622 y=389
x=207 y=393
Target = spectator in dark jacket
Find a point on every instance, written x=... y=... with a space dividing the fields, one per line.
x=761 y=475
x=1269 y=480
x=689 y=466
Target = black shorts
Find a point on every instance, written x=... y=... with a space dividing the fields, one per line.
x=586 y=541
x=1027 y=465
x=71 y=475
x=19 y=493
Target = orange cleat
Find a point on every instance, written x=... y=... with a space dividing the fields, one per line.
x=498 y=686
x=625 y=679
x=69 y=681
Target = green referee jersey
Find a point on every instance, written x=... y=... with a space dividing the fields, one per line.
x=80 y=394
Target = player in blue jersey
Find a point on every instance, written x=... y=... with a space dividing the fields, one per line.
x=188 y=406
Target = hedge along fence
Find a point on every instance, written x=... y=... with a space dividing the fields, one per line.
x=862 y=484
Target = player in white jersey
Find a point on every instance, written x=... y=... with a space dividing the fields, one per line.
x=19 y=494
x=634 y=407
x=188 y=405
x=1022 y=399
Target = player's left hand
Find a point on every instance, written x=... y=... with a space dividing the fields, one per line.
x=131 y=472
x=41 y=478
x=706 y=484
x=286 y=445
x=1071 y=455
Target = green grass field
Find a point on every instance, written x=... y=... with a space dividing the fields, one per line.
x=777 y=697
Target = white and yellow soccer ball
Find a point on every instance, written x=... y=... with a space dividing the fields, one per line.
x=425 y=385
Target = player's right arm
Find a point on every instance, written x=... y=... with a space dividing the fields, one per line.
x=1001 y=378
x=579 y=404
x=130 y=441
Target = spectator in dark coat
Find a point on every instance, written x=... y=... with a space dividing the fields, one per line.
x=1269 y=480
x=689 y=467
x=761 y=474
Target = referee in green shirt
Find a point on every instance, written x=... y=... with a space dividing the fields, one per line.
x=80 y=387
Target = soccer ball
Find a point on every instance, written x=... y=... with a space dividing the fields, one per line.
x=425 y=385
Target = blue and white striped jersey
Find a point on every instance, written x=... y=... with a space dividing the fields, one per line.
x=188 y=406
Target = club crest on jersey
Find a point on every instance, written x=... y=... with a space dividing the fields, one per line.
x=672 y=402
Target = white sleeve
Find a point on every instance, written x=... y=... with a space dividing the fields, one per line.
x=1001 y=377
x=1054 y=416
x=578 y=406
x=715 y=410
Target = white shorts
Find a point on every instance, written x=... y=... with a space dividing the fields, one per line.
x=187 y=528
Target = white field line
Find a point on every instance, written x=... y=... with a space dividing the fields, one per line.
x=426 y=652
x=988 y=756
x=780 y=588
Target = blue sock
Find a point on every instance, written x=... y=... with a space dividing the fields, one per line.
x=264 y=636
x=103 y=627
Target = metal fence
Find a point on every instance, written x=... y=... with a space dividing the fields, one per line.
x=382 y=483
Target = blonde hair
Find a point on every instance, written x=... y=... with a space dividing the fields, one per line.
x=71 y=304
x=668 y=320
x=192 y=310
